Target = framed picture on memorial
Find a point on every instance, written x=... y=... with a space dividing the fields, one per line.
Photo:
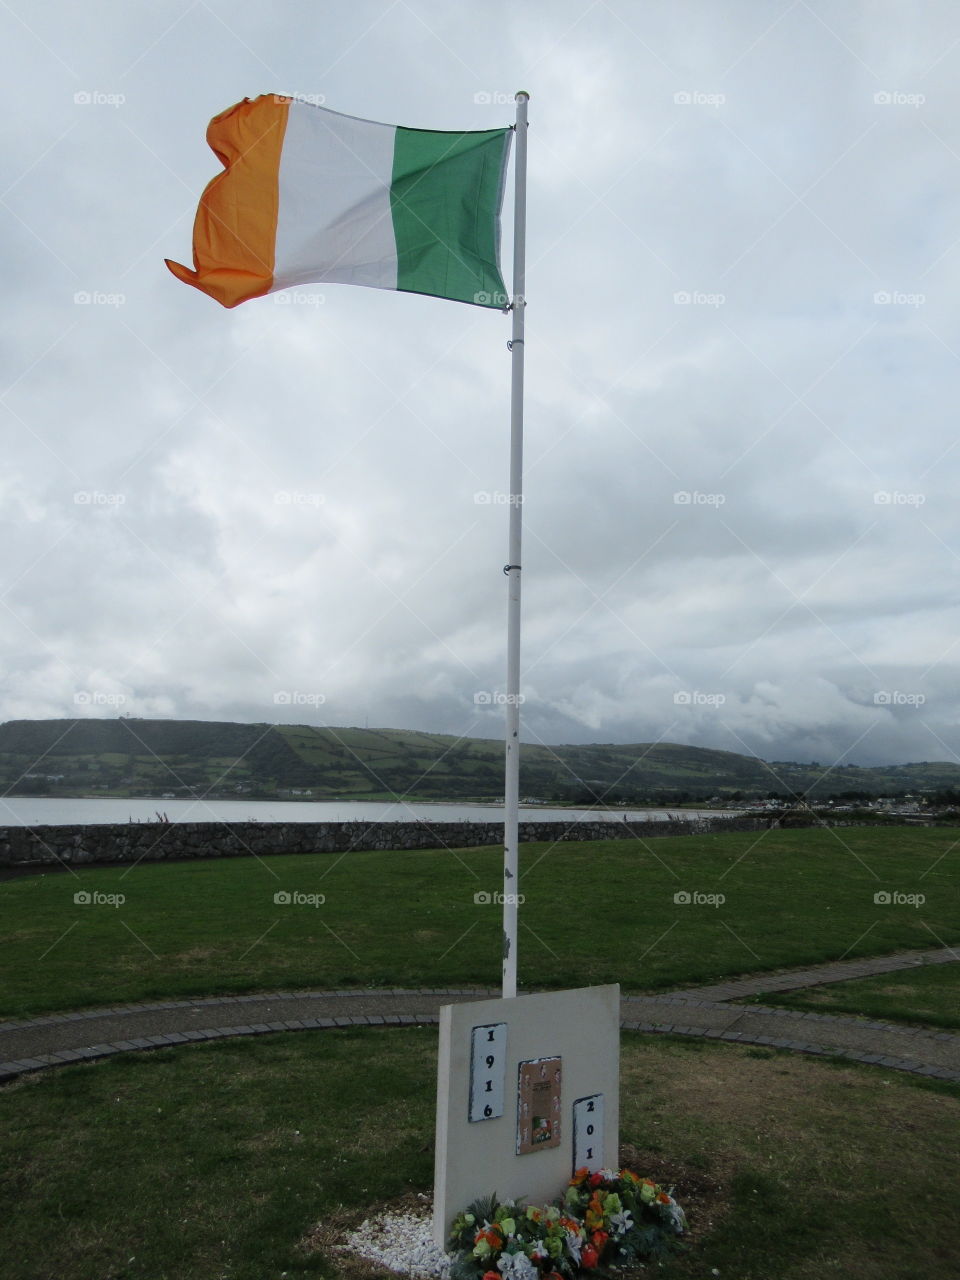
x=538 y=1105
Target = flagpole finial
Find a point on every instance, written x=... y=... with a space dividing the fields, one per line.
x=521 y=93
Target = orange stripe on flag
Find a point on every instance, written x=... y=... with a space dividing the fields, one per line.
x=235 y=230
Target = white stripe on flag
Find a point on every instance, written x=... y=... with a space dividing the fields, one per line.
x=335 y=177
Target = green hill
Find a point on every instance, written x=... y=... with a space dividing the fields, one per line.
x=185 y=758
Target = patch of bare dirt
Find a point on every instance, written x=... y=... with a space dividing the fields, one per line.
x=702 y=1195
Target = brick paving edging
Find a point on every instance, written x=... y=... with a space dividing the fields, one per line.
x=820 y=974
x=716 y=997
x=800 y=1015
x=777 y=980
x=10 y=1070
x=261 y=997
x=911 y=1065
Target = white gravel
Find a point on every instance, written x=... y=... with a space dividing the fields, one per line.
x=401 y=1241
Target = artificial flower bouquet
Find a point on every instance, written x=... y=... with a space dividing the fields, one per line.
x=603 y=1219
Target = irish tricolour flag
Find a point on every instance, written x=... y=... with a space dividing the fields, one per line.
x=308 y=195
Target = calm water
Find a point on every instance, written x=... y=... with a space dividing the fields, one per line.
x=21 y=811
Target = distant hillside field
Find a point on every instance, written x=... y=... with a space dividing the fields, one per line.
x=187 y=758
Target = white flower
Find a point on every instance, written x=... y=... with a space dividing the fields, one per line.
x=620 y=1223
x=675 y=1215
x=517 y=1266
x=538 y=1250
x=574 y=1245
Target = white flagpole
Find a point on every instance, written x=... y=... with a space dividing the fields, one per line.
x=511 y=788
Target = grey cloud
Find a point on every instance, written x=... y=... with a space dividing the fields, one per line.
x=300 y=483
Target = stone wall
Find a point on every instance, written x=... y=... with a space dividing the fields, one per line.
x=152 y=841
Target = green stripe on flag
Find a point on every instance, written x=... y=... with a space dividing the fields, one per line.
x=445 y=200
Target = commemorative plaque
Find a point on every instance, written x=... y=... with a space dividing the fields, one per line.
x=538 y=1105
x=488 y=1065
x=588 y=1145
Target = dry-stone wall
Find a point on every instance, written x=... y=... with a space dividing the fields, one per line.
x=152 y=841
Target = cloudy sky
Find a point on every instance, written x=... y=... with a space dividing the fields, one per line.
x=743 y=358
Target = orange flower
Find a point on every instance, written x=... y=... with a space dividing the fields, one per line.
x=579 y=1176
x=663 y=1198
x=599 y=1239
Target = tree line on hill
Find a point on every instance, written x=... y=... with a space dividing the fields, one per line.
x=189 y=758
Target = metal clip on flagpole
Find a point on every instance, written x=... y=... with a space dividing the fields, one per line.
x=511 y=789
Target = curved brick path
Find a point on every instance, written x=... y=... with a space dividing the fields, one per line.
x=705 y=1011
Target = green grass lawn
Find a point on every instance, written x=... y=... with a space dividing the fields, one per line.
x=594 y=912
x=927 y=996
x=215 y=1161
